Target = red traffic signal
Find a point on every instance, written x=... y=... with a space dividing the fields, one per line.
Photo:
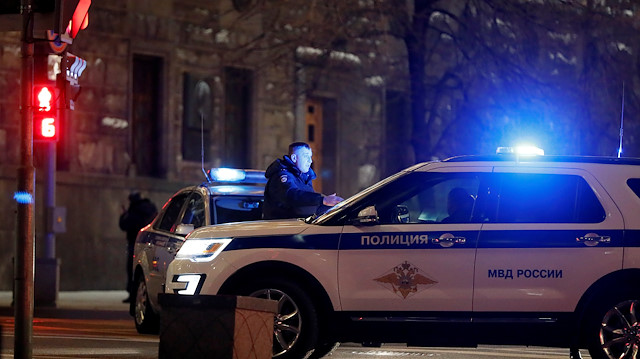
x=45 y=118
x=43 y=96
x=76 y=12
x=45 y=128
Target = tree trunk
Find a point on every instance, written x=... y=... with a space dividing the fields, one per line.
x=415 y=41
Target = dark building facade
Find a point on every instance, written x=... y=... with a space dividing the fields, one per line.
x=171 y=84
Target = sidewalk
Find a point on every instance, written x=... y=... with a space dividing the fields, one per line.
x=93 y=304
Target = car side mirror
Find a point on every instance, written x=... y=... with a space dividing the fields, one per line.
x=184 y=228
x=367 y=217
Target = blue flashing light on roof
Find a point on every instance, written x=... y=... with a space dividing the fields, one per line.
x=234 y=175
x=23 y=197
x=522 y=150
x=227 y=175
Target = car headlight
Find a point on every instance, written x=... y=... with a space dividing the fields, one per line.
x=202 y=250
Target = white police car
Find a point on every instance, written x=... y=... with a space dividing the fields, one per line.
x=229 y=195
x=499 y=249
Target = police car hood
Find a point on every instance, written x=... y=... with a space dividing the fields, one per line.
x=255 y=228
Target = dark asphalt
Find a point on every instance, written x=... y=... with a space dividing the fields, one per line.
x=76 y=305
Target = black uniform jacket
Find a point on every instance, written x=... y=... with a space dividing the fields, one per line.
x=289 y=193
x=140 y=213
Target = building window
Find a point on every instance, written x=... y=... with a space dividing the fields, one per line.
x=147 y=115
x=198 y=121
x=237 y=108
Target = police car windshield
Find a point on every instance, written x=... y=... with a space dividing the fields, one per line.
x=355 y=198
x=228 y=209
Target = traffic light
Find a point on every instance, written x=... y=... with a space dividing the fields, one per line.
x=75 y=16
x=63 y=18
x=45 y=118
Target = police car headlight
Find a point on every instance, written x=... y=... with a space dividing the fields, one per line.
x=202 y=250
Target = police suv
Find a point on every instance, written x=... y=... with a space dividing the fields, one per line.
x=229 y=195
x=498 y=249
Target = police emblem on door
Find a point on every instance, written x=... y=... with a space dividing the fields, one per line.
x=405 y=280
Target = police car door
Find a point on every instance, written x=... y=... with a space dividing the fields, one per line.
x=193 y=215
x=412 y=258
x=549 y=238
x=162 y=232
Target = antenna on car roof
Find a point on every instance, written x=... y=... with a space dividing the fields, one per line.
x=202 y=145
x=621 y=122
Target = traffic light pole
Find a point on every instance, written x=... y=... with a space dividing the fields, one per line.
x=25 y=241
x=49 y=248
x=48 y=266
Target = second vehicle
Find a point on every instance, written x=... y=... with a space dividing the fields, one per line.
x=229 y=195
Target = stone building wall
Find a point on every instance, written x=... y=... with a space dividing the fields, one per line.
x=98 y=171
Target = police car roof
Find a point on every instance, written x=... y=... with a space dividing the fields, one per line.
x=516 y=158
x=235 y=190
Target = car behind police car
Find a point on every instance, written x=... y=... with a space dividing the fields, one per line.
x=229 y=196
x=498 y=249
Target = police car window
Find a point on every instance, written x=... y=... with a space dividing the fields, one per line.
x=236 y=209
x=194 y=211
x=634 y=184
x=546 y=198
x=172 y=212
x=429 y=197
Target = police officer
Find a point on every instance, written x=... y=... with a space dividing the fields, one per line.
x=289 y=192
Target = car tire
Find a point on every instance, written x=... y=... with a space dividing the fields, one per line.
x=147 y=321
x=613 y=327
x=296 y=323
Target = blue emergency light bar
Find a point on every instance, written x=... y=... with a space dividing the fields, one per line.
x=234 y=175
x=227 y=175
x=523 y=150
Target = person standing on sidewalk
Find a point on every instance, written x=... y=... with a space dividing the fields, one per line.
x=141 y=212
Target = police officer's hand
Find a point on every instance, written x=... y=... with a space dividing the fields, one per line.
x=331 y=200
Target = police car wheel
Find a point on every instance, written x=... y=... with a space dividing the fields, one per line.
x=614 y=331
x=295 y=331
x=147 y=321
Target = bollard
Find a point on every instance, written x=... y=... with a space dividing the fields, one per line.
x=216 y=327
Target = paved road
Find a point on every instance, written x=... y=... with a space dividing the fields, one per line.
x=83 y=338
x=56 y=338
x=96 y=324
x=351 y=351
